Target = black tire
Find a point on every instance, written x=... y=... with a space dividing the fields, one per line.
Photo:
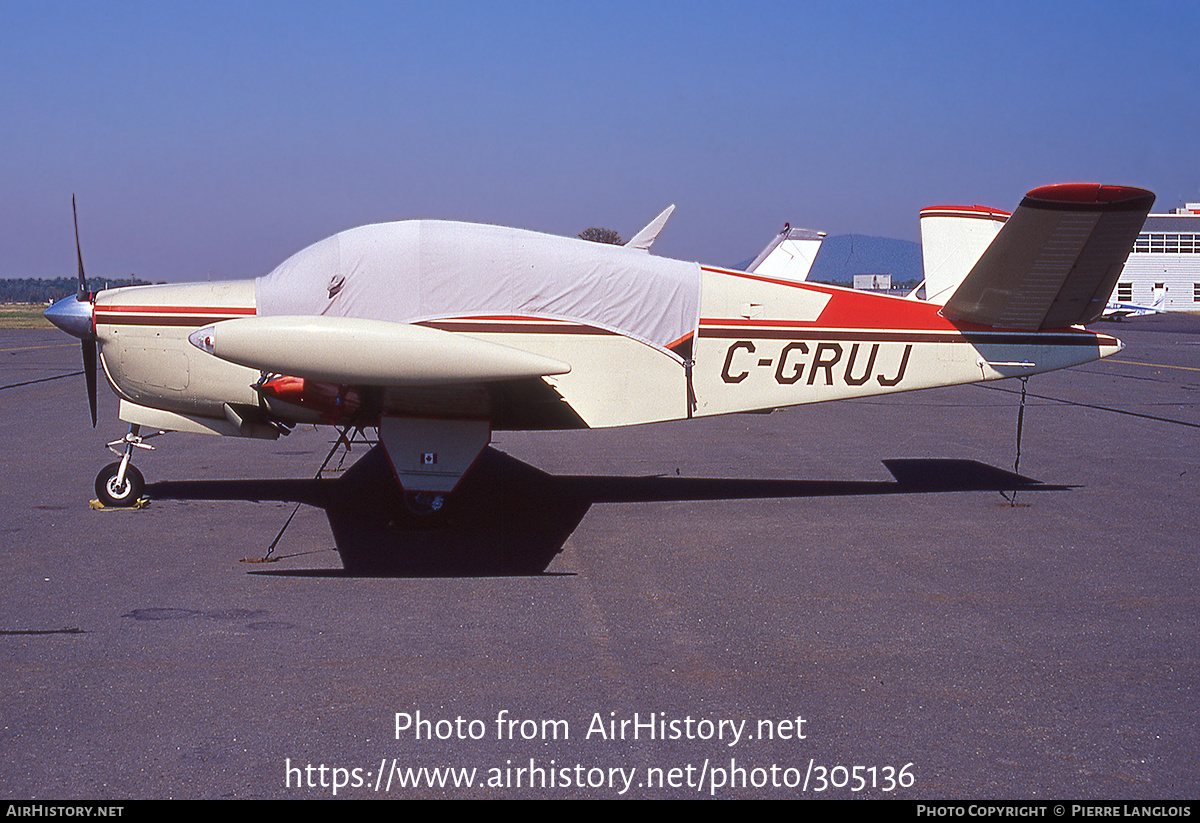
x=127 y=495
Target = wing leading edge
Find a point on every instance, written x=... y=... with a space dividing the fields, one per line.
x=1056 y=260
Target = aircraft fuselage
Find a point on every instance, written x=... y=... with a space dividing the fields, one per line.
x=761 y=344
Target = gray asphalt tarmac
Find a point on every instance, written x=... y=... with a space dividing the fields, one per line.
x=832 y=641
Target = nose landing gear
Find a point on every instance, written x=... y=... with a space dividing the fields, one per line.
x=120 y=484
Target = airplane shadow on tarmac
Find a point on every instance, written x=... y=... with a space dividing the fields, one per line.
x=509 y=518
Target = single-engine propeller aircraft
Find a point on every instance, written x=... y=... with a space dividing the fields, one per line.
x=1117 y=311
x=439 y=333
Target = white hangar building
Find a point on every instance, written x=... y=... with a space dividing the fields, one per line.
x=1165 y=261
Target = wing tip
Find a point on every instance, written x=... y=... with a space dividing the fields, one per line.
x=1089 y=197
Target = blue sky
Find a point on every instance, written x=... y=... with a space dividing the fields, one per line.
x=208 y=139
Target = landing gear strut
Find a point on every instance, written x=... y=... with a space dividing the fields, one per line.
x=121 y=484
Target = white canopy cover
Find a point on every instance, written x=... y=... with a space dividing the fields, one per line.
x=418 y=270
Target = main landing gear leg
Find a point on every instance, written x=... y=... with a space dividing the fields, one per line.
x=121 y=484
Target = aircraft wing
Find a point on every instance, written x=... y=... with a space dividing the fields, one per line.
x=1056 y=260
x=353 y=351
x=428 y=454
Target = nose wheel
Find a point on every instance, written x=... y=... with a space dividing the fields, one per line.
x=113 y=489
x=120 y=484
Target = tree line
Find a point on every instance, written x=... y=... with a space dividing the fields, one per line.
x=44 y=291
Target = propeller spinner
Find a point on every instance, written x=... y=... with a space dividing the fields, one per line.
x=74 y=316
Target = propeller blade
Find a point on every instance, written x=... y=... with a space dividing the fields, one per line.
x=82 y=293
x=89 y=371
x=74 y=316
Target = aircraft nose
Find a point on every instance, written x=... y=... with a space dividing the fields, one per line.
x=72 y=315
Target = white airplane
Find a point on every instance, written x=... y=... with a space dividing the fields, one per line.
x=953 y=238
x=789 y=255
x=1123 y=311
x=439 y=333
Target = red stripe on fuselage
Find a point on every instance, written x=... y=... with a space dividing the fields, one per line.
x=117 y=315
x=116 y=307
